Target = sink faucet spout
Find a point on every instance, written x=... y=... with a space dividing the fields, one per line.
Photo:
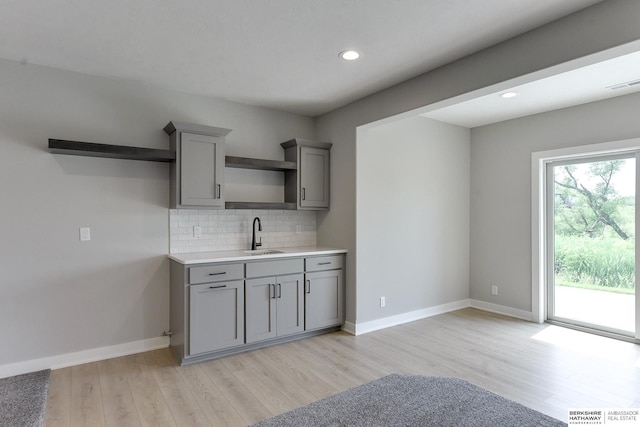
x=255 y=245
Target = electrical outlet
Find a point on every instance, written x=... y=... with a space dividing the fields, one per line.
x=85 y=234
x=197 y=231
x=494 y=290
x=383 y=301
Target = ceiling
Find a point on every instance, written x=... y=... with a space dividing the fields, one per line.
x=281 y=54
x=606 y=79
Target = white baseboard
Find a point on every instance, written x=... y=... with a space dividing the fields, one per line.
x=501 y=309
x=103 y=353
x=85 y=356
x=399 y=319
x=349 y=327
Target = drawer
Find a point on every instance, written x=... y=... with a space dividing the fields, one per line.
x=275 y=268
x=215 y=273
x=331 y=262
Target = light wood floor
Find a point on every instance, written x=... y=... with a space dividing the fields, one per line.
x=545 y=367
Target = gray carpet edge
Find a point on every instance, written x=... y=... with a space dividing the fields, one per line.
x=23 y=399
x=413 y=400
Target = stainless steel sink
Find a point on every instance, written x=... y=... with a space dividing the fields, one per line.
x=263 y=252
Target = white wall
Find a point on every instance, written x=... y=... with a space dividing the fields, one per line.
x=60 y=296
x=412 y=215
x=573 y=41
x=501 y=187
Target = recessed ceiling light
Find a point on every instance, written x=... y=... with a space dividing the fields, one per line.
x=509 y=95
x=349 y=55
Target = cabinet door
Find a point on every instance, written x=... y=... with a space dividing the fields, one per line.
x=216 y=319
x=314 y=178
x=260 y=306
x=290 y=304
x=323 y=299
x=201 y=170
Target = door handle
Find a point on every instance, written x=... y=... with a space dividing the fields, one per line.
x=279 y=290
x=219 y=191
x=272 y=287
x=304 y=193
x=308 y=283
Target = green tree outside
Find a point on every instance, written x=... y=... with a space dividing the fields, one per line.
x=594 y=227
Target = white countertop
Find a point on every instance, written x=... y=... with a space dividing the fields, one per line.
x=242 y=255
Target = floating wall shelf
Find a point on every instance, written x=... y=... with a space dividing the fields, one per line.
x=92 y=149
x=261 y=164
x=260 y=205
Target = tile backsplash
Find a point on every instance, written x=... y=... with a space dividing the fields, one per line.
x=230 y=229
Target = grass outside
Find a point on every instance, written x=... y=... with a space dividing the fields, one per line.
x=589 y=286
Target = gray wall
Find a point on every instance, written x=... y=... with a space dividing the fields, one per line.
x=571 y=41
x=413 y=216
x=501 y=187
x=58 y=295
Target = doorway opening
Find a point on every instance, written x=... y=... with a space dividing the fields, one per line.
x=591 y=221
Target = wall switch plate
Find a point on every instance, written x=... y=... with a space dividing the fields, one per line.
x=383 y=301
x=197 y=231
x=494 y=290
x=85 y=234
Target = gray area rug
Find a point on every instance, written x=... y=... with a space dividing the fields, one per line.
x=413 y=400
x=23 y=399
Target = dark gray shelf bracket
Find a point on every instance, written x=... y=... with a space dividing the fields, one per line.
x=92 y=149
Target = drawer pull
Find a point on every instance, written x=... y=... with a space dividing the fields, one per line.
x=217 y=287
x=217 y=274
x=324 y=263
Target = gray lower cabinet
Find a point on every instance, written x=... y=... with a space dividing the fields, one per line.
x=324 y=292
x=216 y=316
x=274 y=307
x=219 y=309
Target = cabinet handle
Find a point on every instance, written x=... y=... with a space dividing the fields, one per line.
x=272 y=287
x=324 y=263
x=217 y=287
x=279 y=290
x=304 y=193
x=217 y=274
x=219 y=191
x=308 y=290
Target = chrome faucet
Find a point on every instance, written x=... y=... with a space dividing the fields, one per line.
x=255 y=245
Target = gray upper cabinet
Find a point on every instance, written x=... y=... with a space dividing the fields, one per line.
x=308 y=185
x=197 y=175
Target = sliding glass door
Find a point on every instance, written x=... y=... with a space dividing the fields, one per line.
x=591 y=230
